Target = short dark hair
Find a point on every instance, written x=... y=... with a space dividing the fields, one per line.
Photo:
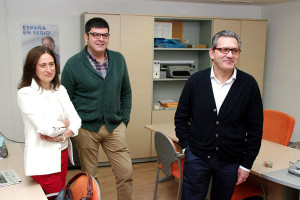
x=96 y=22
x=30 y=65
x=225 y=33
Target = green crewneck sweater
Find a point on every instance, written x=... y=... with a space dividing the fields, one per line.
x=98 y=100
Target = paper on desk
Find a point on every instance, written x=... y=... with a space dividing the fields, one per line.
x=9 y=177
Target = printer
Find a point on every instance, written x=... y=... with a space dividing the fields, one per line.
x=177 y=69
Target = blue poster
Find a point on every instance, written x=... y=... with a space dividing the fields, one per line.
x=40 y=34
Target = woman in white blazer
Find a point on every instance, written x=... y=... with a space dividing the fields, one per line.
x=50 y=119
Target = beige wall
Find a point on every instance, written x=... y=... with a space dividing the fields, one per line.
x=282 y=67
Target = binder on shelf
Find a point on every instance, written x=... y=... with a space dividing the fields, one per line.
x=156 y=69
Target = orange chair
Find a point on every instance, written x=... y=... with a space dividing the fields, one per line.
x=169 y=161
x=247 y=189
x=278 y=127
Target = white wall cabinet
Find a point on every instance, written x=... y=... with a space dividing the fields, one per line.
x=253 y=35
x=132 y=35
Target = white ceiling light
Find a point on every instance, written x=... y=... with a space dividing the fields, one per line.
x=237 y=1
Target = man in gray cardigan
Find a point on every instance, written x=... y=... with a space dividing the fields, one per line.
x=98 y=84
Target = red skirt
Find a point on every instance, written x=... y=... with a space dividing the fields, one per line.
x=53 y=183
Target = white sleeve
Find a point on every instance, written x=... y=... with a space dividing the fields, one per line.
x=35 y=115
x=70 y=112
x=243 y=168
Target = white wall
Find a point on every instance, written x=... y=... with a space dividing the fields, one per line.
x=282 y=69
x=6 y=107
x=66 y=13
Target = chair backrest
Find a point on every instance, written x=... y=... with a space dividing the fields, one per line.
x=278 y=127
x=166 y=151
x=79 y=188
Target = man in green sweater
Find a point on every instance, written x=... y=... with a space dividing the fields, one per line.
x=98 y=84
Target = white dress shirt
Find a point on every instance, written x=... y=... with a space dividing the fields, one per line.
x=221 y=90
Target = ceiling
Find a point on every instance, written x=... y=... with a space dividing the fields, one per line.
x=235 y=2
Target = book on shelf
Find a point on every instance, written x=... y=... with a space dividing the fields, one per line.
x=168 y=103
x=9 y=177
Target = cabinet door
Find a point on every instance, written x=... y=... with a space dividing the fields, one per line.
x=253 y=36
x=136 y=44
x=137 y=48
x=227 y=24
x=114 y=44
x=252 y=59
x=114 y=28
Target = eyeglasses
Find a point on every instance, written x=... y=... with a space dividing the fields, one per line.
x=234 y=51
x=98 y=35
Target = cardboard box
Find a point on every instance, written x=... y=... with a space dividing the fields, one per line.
x=201 y=46
x=197 y=46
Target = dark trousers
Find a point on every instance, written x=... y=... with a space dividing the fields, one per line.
x=198 y=172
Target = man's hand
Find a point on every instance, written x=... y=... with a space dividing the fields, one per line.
x=242 y=176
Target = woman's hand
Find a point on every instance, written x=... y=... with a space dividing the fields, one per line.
x=65 y=135
x=49 y=139
x=66 y=122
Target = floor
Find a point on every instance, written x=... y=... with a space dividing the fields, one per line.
x=144 y=175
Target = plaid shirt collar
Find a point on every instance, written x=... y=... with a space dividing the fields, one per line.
x=101 y=69
x=93 y=60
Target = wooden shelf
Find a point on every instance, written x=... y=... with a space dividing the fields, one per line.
x=180 y=49
x=170 y=79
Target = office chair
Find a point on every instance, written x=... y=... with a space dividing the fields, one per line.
x=169 y=161
x=251 y=188
x=277 y=127
x=83 y=185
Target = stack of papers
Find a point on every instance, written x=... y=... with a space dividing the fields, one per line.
x=168 y=103
x=9 y=178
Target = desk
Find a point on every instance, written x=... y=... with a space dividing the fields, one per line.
x=280 y=156
x=166 y=128
x=28 y=189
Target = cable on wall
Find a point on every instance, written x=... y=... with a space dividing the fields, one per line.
x=10 y=139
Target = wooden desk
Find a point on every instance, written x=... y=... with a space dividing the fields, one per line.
x=280 y=156
x=28 y=189
x=166 y=128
